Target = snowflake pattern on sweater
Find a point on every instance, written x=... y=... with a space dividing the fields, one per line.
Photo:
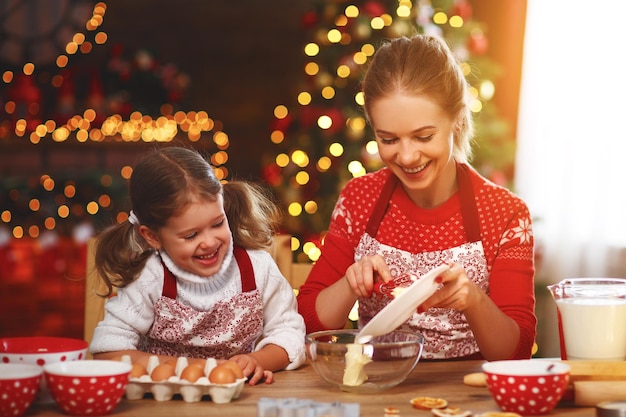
x=504 y=219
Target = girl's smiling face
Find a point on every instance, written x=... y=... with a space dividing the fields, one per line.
x=197 y=238
x=415 y=139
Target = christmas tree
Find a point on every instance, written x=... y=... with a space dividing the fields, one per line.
x=321 y=136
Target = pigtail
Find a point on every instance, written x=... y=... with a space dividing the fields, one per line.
x=252 y=214
x=119 y=257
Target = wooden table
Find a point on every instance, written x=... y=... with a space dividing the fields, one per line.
x=434 y=379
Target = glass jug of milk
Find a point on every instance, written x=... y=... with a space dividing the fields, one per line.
x=591 y=318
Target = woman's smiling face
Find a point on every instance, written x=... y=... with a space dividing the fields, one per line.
x=415 y=139
x=197 y=238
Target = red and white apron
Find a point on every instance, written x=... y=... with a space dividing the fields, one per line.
x=446 y=332
x=230 y=327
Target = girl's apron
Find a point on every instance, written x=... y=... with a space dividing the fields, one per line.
x=230 y=327
x=446 y=332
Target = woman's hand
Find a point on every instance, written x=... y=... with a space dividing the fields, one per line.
x=458 y=291
x=362 y=274
x=496 y=333
x=252 y=370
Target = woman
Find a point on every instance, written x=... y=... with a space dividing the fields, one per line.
x=426 y=207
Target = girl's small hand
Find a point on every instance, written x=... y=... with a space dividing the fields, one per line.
x=252 y=370
x=362 y=274
x=458 y=291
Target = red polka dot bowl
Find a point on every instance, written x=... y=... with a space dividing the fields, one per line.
x=19 y=384
x=527 y=387
x=41 y=350
x=87 y=388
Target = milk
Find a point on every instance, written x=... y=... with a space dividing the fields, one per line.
x=593 y=328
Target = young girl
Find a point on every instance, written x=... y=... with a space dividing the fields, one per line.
x=192 y=276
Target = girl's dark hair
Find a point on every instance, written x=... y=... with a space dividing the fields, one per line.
x=162 y=184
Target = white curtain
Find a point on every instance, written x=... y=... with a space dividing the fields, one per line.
x=571 y=158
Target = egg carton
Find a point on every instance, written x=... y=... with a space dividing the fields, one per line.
x=190 y=391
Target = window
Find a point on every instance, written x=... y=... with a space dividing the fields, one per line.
x=571 y=158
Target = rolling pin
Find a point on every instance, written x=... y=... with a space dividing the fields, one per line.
x=597 y=381
x=588 y=370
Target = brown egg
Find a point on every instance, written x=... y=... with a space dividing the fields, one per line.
x=171 y=362
x=236 y=368
x=192 y=373
x=162 y=372
x=222 y=375
x=138 y=370
x=197 y=361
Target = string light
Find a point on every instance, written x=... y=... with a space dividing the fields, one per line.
x=331 y=130
x=81 y=128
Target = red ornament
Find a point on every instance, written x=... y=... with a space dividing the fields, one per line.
x=477 y=43
x=308 y=116
x=374 y=8
x=463 y=9
x=272 y=175
x=174 y=96
x=309 y=19
x=281 y=124
x=338 y=119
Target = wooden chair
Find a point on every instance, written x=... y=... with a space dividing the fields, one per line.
x=94 y=304
x=295 y=273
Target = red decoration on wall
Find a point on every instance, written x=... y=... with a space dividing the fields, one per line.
x=66 y=102
x=127 y=81
x=95 y=97
x=27 y=97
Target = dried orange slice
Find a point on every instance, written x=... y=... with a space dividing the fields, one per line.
x=428 y=403
x=392 y=411
x=451 y=412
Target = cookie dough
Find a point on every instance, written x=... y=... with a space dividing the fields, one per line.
x=354 y=374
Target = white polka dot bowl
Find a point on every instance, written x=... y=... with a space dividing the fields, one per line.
x=89 y=387
x=19 y=384
x=41 y=350
x=527 y=387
